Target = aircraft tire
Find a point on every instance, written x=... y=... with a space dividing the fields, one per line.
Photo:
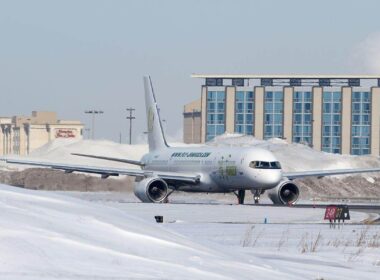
x=241 y=196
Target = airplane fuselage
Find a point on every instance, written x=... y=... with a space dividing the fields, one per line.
x=220 y=169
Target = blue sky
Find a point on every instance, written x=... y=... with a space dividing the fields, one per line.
x=70 y=56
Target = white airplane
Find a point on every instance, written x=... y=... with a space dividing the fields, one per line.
x=199 y=169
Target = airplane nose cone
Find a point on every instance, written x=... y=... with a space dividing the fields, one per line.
x=270 y=178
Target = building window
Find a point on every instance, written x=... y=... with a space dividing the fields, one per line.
x=244 y=112
x=216 y=101
x=331 y=121
x=213 y=82
x=273 y=114
x=360 y=123
x=302 y=117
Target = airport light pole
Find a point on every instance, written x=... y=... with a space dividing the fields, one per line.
x=130 y=118
x=93 y=113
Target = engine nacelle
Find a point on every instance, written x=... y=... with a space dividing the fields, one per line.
x=286 y=192
x=151 y=189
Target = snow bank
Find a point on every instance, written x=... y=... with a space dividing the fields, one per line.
x=60 y=151
x=293 y=157
x=48 y=236
x=312 y=251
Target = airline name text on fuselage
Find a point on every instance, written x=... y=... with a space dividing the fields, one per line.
x=191 y=154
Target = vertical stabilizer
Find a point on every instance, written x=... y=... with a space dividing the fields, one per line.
x=156 y=137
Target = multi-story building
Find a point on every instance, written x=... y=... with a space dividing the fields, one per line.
x=192 y=122
x=21 y=135
x=331 y=113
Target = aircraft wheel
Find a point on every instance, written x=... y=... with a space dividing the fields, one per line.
x=256 y=196
x=241 y=196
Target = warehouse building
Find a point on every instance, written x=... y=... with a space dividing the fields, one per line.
x=331 y=113
x=21 y=135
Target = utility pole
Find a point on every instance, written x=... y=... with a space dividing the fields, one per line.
x=93 y=113
x=130 y=118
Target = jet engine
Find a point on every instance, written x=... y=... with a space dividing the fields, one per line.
x=151 y=189
x=286 y=192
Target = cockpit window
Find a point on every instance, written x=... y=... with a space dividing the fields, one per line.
x=275 y=165
x=265 y=165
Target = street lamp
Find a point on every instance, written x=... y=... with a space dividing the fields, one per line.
x=93 y=113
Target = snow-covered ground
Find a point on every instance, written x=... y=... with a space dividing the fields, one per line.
x=84 y=235
x=50 y=235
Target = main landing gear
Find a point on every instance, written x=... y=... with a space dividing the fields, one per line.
x=240 y=194
x=166 y=200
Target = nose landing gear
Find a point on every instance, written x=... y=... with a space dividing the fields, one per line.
x=256 y=198
x=256 y=195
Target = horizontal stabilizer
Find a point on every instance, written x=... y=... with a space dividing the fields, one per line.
x=134 y=162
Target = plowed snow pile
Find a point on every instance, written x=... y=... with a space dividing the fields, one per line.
x=293 y=157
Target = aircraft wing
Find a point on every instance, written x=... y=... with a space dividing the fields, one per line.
x=129 y=161
x=323 y=173
x=110 y=171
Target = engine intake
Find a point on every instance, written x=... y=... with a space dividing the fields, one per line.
x=152 y=189
x=286 y=192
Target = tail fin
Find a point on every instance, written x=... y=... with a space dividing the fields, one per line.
x=156 y=138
